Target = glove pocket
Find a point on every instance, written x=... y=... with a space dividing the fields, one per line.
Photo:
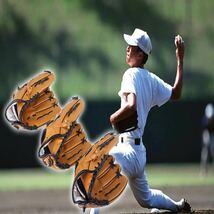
x=99 y=187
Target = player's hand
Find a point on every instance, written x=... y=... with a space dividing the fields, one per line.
x=179 y=43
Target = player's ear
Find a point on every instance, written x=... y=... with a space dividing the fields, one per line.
x=141 y=55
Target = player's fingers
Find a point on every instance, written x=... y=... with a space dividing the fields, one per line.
x=178 y=40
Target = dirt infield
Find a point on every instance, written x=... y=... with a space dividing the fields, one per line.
x=57 y=201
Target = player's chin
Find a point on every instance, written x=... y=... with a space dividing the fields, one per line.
x=128 y=60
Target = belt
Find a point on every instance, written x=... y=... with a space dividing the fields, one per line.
x=136 y=140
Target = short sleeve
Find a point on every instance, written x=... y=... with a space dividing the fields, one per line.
x=128 y=83
x=162 y=91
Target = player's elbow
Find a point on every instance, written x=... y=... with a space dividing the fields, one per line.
x=176 y=94
x=132 y=106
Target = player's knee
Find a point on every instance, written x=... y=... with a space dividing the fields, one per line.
x=149 y=200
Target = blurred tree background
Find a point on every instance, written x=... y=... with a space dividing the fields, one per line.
x=82 y=42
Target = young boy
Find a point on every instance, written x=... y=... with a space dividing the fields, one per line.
x=140 y=91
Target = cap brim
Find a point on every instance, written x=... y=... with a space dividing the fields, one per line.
x=129 y=40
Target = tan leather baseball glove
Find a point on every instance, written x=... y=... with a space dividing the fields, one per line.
x=98 y=181
x=128 y=124
x=33 y=104
x=63 y=141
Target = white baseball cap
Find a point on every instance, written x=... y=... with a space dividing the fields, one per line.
x=141 y=39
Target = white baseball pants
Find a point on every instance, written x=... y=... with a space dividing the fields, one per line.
x=132 y=159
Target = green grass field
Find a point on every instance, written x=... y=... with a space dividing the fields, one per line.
x=158 y=175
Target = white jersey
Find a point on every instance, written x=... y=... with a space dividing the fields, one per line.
x=150 y=91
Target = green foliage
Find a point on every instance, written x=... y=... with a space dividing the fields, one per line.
x=81 y=41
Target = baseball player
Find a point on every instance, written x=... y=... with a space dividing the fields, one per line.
x=140 y=91
x=207 y=138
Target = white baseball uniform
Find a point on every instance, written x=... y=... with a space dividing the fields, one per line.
x=150 y=91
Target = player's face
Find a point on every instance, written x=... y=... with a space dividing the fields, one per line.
x=133 y=56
